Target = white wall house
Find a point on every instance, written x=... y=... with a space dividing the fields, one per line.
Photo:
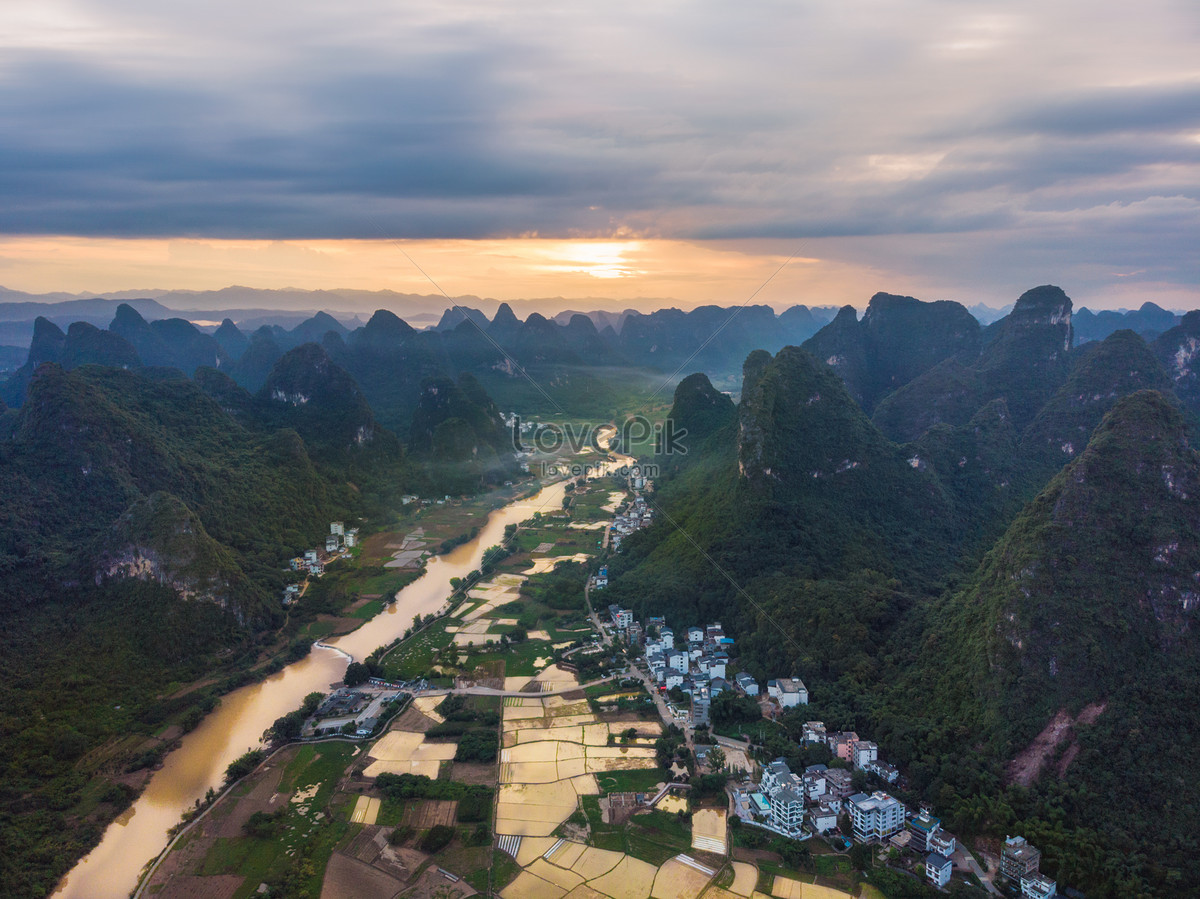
x=823 y=817
x=875 y=817
x=788 y=691
x=863 y=753
x=787 y=809
x=938 y=869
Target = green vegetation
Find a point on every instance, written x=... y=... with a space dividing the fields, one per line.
x=641 y=780
x=478 y=746
x=474 y=802
x=436 y=838
x=948 y=596
x=288 y=727
x=288 y=849
x=243 y=765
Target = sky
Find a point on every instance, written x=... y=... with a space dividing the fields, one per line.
x=809 y=152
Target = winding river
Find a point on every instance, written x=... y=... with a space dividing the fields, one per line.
x=111 y=870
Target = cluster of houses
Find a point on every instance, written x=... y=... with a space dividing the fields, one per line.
x=340 y=537
x=787 y=801
x=312 y=563
x=700 y=666
x=636 y=517
x=698 y=669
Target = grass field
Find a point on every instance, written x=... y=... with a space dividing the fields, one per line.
x=308 y=834
x=391 y=811
x=369 y=610
x=518 y=660
x=644 y=780
x=414 y=656
x=503 y=867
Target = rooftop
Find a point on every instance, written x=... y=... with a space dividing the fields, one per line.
x=878 y=800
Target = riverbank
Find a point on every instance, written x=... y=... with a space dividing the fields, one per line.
x=481 y=647
x=238 y=722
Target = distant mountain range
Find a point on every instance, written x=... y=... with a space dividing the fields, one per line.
x=575 y=363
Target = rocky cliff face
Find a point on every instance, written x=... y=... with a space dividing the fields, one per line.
x=1118 y=366
x=1178 y=349
x=158 y=538
x=307 y=391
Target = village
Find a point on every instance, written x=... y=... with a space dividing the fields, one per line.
x=822 y=799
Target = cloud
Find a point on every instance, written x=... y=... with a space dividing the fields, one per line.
x=703 y=121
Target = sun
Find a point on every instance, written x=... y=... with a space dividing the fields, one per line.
x=599 y=259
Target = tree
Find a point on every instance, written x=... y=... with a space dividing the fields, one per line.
x=356 y=673
x=716 y=759
x=862 y=857
x=730 y=709
x=437 y=838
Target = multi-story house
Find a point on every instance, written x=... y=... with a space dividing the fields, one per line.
x=875 y=817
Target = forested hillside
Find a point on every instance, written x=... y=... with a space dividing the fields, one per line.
x=955 y=594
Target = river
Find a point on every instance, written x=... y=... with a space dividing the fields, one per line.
x=110 y=871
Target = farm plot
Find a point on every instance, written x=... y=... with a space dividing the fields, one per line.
x=366 y=810
x=348 y=878
x=189 y=886
x=398 y=752
x=681 y=878
x=429 y=812
x=745 y=878
x=708 y=831
x=786 y=888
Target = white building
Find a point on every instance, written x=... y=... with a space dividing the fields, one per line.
x=883 y=770
x=814 y=783
x=875 y=817
x=776 y=776
x=943 y=842
x=310 y=556
x=621 y=618
x=747 y=684
x=938 y=869
x=336 y=527
x=813 y=732
x=352 y=538
x=678 y=660
x=695 y=634
x=331 y=543
x=787 y=809
x=672 y=678
x=1038 y=886
x=788 y=691
x=863 y=753
x=823 y=817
